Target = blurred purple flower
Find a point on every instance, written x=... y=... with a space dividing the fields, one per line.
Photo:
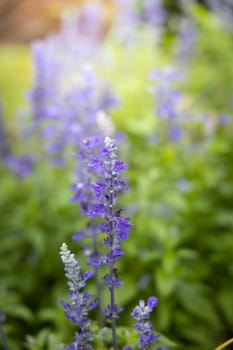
x=175 y=133
x=168 y=102
x=183 y=185
x=22 y=165
x=224 y=119
x=153 y=12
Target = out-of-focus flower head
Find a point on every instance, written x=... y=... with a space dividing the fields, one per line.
x=68 y=101
x=132 y=15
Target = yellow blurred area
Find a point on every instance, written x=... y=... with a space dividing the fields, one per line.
x=15 y=77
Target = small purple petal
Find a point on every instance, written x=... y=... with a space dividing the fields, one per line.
x=88 y=274
x=152 y=302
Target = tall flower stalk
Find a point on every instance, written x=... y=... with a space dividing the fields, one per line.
x=81 y=303
x=98 y=199
x=99 y=185
x=114 y=226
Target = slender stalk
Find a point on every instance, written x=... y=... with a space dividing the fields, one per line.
x=4 y=340
x=112 y=296
x=222 y=346
x=97 y=282
x=112 y=301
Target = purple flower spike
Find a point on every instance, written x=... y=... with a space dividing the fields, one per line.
x=81 y=303
x=100 y=176
x=144 y=327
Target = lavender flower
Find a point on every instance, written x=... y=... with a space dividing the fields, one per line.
x=98 y=200
x=186 y=40
x=90 y=21
x=115 y=227
x=126 y=21
x=81 y=303
x=167 y=96
x=144 y=327
x=106 y=188
x=84 y=193
x=21 y=165
x=97 y=189
x=65 y=114
x=168 y=102
x=99 y=185
x=68 y=101
x=223 y=119
x=175 y=133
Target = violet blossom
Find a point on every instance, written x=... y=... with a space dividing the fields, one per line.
x=21 y=165
x=64 y=114
x=76 y=311
x=98 y=195
x=144 y=327
x=97 y=189
x=115 y=227
x=168 y=101
x=68 y=101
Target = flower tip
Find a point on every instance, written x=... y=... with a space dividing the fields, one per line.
x=152 y=302
x=88 y=274
x=64 y=246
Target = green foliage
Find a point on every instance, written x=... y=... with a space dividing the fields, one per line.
x=211 y=73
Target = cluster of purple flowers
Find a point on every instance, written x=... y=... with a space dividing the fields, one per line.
x=20 y=165
x=168 y=99
x=176 y=119
x=97 y=190
x=81 y=303
x=97 y=194
x=144 y=327
x=68 y=100
x=141 y=314
x=67 y=97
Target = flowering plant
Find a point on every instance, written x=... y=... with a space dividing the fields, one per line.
x=98 y=199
